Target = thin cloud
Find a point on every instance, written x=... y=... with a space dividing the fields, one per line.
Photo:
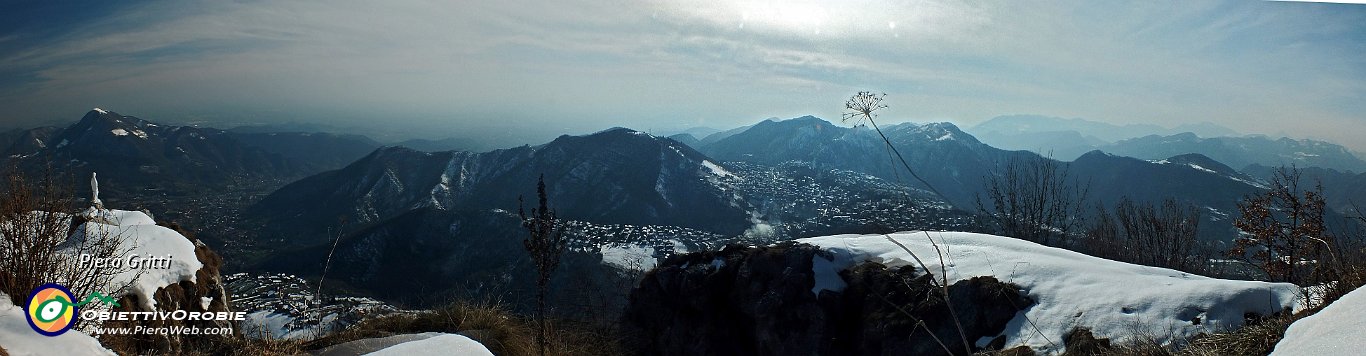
x=666 y=64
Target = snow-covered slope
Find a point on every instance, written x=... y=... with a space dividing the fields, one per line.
x=18 y=339
x=437 y=344
x=140 y=235
x=1335 y=330
x=281 y=307
x=1070 y=289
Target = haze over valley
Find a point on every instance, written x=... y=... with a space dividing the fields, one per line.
x=669 y=178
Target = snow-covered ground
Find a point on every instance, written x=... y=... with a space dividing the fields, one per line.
x=140 y=235
x=18 y=339
x=280 y=326
x=1335 y=330
x=1070 y=289
x=629 y=257
x=283 y=306
x=436 y=344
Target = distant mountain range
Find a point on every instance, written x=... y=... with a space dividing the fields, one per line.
x=1240 y=152
x=1006 y=131
x=132 y=154
x=430 y=216
x=949 y=159
x=1213 y=187
x=1344 y=192
x=957 y=164
x=445 y=144
x=1066 y=139
x=616 y=176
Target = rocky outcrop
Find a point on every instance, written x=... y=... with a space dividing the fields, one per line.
x=1082 y=342
x=205 y=294
x=760 y=301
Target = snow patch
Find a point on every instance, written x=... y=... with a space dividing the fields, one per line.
x=826 y=275
x=442 y=344
x=119 y=132
x=140 y=235
x=17 y=338
x=101 y=111
x=1198 y=167
x=629 y=257
x=1335 y=330
x=1070 y=289
x=717 y=170
x=272 y=325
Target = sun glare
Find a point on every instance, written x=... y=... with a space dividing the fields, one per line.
x=785 y=16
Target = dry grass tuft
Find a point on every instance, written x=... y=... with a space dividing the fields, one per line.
x=503 y=332
x=1255 y=339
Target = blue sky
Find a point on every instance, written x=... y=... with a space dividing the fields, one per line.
x=577 y=66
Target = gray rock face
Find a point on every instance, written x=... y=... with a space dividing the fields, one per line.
x=759 y=301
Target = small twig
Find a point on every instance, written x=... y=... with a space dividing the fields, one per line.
x=326 y=265
x=918 y=322
x=944 y=274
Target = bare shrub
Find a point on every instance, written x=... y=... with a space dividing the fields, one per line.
x=1283 y=231
x=36 y=241
x=1033 y=198
x=1163 y=235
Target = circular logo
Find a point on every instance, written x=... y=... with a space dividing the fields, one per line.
x=51 y=309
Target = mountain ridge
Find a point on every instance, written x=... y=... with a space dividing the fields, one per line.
x=616 y=175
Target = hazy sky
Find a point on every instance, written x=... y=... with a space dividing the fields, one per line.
x=575 y=65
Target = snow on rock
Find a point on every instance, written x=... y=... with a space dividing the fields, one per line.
x=18 y=339
x=280 y=326
x=1200 y=168
x=101 y=111
x=140 y=235
x=441 y=344
x=1070 y=289
x=629 y=257
x=717 y=169
x=1335 y=330
x=119 y=132
x=119 y=217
